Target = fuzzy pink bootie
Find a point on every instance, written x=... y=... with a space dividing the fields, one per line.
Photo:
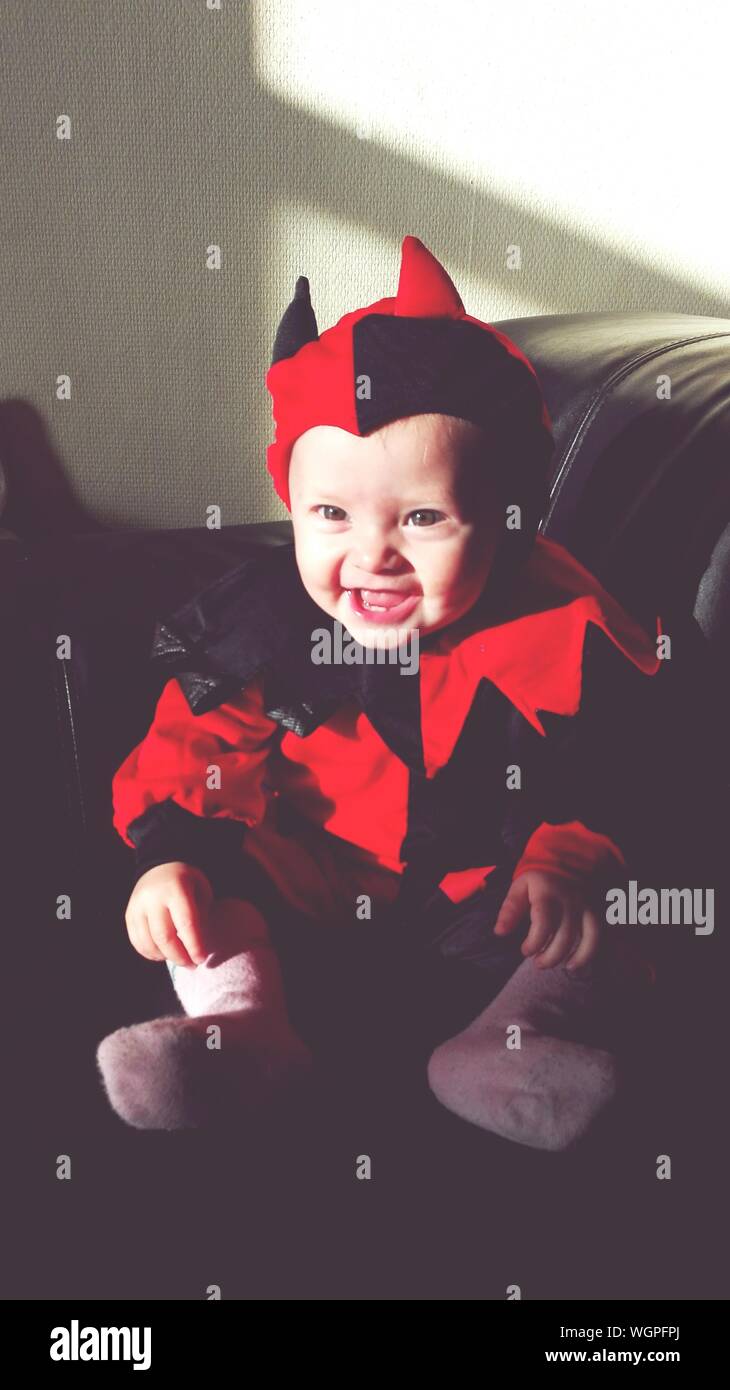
x=545 y=1088
x=234 y=1053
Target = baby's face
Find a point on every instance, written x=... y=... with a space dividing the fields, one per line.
x=393 y=530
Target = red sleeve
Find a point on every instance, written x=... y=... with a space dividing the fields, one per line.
x=570 y=851
x=212 y=765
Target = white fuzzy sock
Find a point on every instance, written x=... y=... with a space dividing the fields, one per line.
x=546 y=1092
x=234 y=1047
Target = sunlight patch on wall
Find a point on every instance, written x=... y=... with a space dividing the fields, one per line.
x=601 y=119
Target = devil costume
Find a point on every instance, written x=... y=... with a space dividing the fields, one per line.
x=533 y=735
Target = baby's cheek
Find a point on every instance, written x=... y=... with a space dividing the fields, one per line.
x=443 y=572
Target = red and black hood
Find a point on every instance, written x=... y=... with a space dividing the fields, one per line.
x=417 y=352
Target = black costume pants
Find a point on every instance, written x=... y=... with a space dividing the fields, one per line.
x=416 y=972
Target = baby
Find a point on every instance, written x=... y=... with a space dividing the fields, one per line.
x=475 y=809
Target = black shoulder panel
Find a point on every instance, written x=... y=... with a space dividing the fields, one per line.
x=220 y=638
x=257 y=618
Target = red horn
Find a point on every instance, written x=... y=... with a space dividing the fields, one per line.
x=424 y=288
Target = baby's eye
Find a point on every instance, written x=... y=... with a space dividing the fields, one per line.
x=329 y=507
x=427 y=512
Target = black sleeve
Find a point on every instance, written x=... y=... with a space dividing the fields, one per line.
x=645 y=760
x=168 y=833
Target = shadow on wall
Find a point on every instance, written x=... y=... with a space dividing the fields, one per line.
x=36 y=497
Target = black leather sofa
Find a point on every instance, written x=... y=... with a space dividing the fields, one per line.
x=641 y=494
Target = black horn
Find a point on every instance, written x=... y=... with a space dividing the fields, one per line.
x=298 y=325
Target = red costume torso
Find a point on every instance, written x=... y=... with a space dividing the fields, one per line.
x=345 y=778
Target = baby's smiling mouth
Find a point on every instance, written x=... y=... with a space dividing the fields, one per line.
x=381 y=600
x=382 y=605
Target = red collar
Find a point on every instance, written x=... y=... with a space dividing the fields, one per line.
x=535 y=658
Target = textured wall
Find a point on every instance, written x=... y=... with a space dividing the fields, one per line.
x=311 y=137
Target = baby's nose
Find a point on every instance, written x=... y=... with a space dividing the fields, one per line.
x=375 y=553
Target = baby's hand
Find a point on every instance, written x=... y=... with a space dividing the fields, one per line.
x=564 y=929
x=168 y=912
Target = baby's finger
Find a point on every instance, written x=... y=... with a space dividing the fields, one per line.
x=562 y=943
x=515 y=907
x=164 y=935
x=545 y=916
x=588 y=942
x=139 y=935
x=189 y=915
